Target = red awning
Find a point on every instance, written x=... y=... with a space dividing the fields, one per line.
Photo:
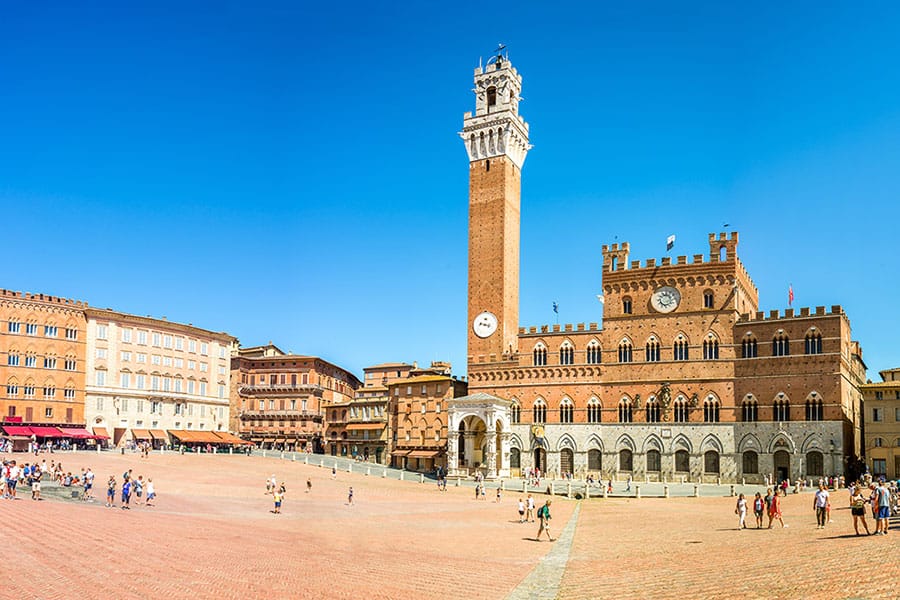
x=17 y=430
x=46 y=432
x=77 y=433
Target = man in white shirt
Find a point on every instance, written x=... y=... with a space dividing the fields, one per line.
x=820 y=503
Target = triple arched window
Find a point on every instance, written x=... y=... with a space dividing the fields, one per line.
x=680 y=410
x=625 y=411
x=711 y=410
x=515 y=413
x=566 y=411
x=566 y=354
x=782 y=409
x=652 y=350
x=749 y=348
x=539 y=411
x=593 y=353
x=814 y=409
x=652 y=410
x=625 y=351
x=749 y=411
x=781 y=345
x=680 y=349
x=710 y=348
x=593 y=411
x=813 y=343
x=539 y=355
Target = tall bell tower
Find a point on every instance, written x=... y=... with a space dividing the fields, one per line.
x=496 y=139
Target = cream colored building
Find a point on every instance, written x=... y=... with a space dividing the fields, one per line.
x=149 y=377
x=882 y=424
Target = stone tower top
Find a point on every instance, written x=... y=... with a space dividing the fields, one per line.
x=496 y=128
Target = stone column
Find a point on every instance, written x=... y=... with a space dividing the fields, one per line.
x=453 y=453
x=490 y=448
x=469 y=438
x=503 y=467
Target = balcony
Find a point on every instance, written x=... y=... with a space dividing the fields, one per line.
x=281 y=388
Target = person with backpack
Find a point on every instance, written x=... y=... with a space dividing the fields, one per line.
x=544 y=518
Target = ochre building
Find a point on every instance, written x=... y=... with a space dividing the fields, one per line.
x=686 y=378
x=882 y=425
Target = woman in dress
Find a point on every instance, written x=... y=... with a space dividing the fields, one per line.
x=858 y=508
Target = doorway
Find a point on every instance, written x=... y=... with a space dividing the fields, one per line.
x=540 y=459
x=782 y=465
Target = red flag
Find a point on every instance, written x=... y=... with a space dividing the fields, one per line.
x=790 y=295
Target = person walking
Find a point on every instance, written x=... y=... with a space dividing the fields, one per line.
x=126 y=494
x=741 y=510
x=858 y=509
x=521 y=511
x=151 y=492
x=758 y=509
x=529 y=508
x=350 y=497
x=111 y=492
x=820 y=504
x=883 y=502
x=278 y=496
x=628 y=484
x=775 y=511
x=544 y=518
x=308 y=485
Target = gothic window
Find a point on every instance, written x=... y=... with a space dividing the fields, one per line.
x=782 y=410
x=710 y=348
x=625 y=352
x=492 y=96
x=652 y=350
x=708 y=300
x=514 y=458
x=652 y=410
x=539 y=412
x=595 y=460
x=711 y=462
x=566 y=354
x=814 y=410
x=625 y=411
x=626 y=305
x=680 y=410
x=750 y=463
x=710 y=410
x=781 y=345
x=515 y=412
x=815 y=465
x=593 y=410
x=593 y=353
x=749 y=411
x=749 y=348
x=682 y=461
x=653 y=461
x=626 y=459
x=566 y=410
x=539 y=355
x=680 y=349
x=813 y=343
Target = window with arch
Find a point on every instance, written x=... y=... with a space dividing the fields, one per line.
x=813 y=343
x=595 y=460
x=710 y=348
x=539 y=355
x=750 y=461
x=815 y=463
x=515 y=413
x=652 y=410
x=593 y=353
x=593 y=411
x=711 y=410
x=708 y=299
x=781 y=345
x=566 y=411
x=626 y=460
x=625 y=351
x=492 y=96
x=749 y=348
x=782 y=410
x=539 y=411
x=879 y=442
x=682 y=461
x=680 y=348
x=750 y=410
x=625 y=411
x=566 y=354
x=711 y=461
x=814 y=409
x=651 y=350
x=680 y=410
x=515 y=461
x=626 y=305
x=654 y=461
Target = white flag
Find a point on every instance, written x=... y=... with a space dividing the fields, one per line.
x=670 y=241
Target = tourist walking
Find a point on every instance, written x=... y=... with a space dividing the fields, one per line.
x=529 y=508
x=544 y=517
x=883 y=501
x=151 y=492
x=111 y=492
x=775 y=511
x=758 y=508
x=741 y=510
x=139 y=488
x=521 y=511
x=126 y=494
x=278 y=496
x=858 y=508
x=350 y=497
x=499 y=489
x=628 y=484
x=308 y=485
x=820 y=504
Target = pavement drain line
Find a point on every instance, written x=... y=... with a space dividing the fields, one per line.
x=543 y=581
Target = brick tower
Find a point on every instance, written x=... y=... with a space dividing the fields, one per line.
x=496 y=139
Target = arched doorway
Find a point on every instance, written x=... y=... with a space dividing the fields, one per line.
x=540 y=459
x=782 y=465
x=566 y=461
x=472 y=444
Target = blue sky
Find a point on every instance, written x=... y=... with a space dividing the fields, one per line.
x=292 y=172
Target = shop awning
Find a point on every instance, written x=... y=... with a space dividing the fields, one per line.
x=230 y=438
x=279 y=440
x=423 y=453
x=46 y=432
x=256 y=439
x=140 y=434
x=362 y=426
x=181 y=435
x=399 y=452
x=100 y=433
x=77 y=433
x=159 y=434
x=17 y=430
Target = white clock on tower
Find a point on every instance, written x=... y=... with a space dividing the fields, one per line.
x=485 y=324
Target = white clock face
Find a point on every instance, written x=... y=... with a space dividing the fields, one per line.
x=484 y=324
x=665 y=299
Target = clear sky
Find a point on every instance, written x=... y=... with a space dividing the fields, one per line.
x=292 y=171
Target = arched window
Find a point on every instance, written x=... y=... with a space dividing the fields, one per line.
x=625 y=411
x=682 y=461
x=651 y=350
x=593 y=411
x=593 y=353
x=626 y=305
x=751 y=463
x=515 y=460
x=708 y=299
x=595 y=460
x=652 y=410
x=566 y=409
x=815 y=463
x=680 y=410
x=566 y=354
x=626 y=459
x=749 y=411
x=491 y=96
x=711 y=410
x=625 y=352
x=653 y=461
x=781 y=345
x=710 y=348
x=878 y=442
x=813 y=343
x=539 y=355
x=539 y=412
x=711 y=462
x=782 y=409
x=680 y=348
x=515 y=413
x=814 y=411
x=749 y=348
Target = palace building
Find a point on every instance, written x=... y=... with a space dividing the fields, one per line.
x=685 y=379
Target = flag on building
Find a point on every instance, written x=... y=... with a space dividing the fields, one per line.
x=670 y=242
x=556 y=308
x=790 y=295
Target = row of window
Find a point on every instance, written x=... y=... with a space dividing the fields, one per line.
x=878 y=413
x=276 y=379
x=48 y=413
x=14 y=359
x=160 y=340
x=123 y=405
x=158 y=359
x=781 y=411
x=709 y=301
x=158 y=383
x=879 y=442
x=50 y=331
x=879 y=395
x=28 y=391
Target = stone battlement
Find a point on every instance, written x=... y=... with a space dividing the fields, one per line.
x=41 y=298
x=565 y=328
x=790 y=313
